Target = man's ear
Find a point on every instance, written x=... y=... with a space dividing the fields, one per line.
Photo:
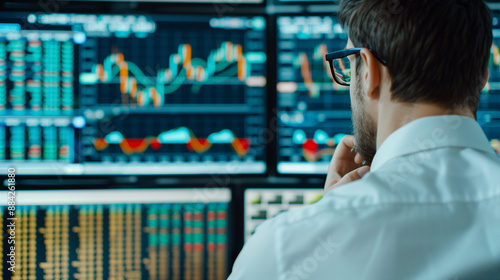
x=371 y=76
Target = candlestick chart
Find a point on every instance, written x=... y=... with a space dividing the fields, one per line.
x=186 y=75
x=178 y=66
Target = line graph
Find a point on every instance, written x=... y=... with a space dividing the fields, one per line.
x=224 y=65
x=181 y=135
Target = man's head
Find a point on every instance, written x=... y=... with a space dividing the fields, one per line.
x=436 y=52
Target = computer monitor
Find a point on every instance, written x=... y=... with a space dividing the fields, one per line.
x=489 y=107
x=116 y=234
x=132 y=94
x=263 y=204
x=314 y=112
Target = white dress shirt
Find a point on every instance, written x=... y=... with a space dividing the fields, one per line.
x=429 y=209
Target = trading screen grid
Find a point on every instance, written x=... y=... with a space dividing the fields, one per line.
x=138 y=94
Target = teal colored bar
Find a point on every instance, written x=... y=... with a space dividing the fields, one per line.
x=164 y=239
x=2 y=142
x=17 y=142
x=198 y=224
x=221 y=238
x=153 y=240
x=176 y=239
x=256 y=57
x=198 y=238
x=211 y=238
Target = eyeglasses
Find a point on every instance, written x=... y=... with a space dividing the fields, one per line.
x=341 y=66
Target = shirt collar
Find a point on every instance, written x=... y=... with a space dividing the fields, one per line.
x=432 y=133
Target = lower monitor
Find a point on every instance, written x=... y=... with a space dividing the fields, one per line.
x=116 y=234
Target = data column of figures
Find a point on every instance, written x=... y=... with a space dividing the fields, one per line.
x=36 y=72
x=124 y=241
x=37 y=94
x=313 y=111
x=181 y=95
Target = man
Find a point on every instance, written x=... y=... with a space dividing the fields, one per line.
x=429 y=207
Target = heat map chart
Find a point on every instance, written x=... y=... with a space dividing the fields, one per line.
x=313 y=112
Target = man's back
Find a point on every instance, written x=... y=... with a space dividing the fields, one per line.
x=429 y=209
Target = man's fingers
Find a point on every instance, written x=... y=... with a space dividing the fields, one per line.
x=358 y=159
x=362 y=171
x=345 y=149
x=348 y=141
x=351 y=177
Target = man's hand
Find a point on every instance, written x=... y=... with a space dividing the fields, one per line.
x=346 y=165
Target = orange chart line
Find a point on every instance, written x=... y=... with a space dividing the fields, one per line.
x=305 y=69
x=131 y=146
x=315 y=156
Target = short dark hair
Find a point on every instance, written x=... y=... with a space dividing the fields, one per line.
x=437 y=51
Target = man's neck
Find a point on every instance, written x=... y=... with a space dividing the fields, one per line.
x=395 y=115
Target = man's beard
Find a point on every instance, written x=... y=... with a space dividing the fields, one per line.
x=365 y=131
